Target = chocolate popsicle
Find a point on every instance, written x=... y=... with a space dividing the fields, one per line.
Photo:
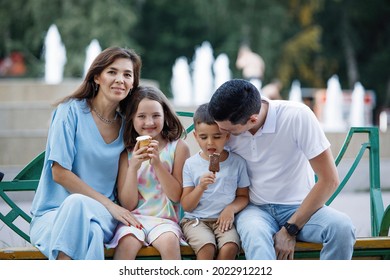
x=214 y=163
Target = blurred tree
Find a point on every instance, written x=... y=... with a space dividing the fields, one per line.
x=165 y=31
x=258 y=23
x=111 y=22
x=170 y=29
x=299 y=56
x=284 y=33
x=356 y=44
x=17 y=24
x=298 y=39
x=24 y=24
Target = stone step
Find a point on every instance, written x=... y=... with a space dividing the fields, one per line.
x=19 y=147
x=25 y=115
x=25 y=110
x=25 y=90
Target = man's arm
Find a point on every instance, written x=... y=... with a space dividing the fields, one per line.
x=328 y=180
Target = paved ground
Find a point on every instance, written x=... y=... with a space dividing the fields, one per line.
x=357 y=206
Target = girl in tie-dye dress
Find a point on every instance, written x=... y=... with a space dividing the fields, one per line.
x=150 y=178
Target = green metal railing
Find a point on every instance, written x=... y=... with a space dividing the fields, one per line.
x=379 y=222
x=28 y=178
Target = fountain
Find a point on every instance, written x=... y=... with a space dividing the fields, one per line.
x=295 y=92
x=92 y=52
x=221 y=70
x=202 y=76
x=181 y=83
x=333 y=120
x=195 y=86
x=55 y=56
x=356 y=116
x=384 y=120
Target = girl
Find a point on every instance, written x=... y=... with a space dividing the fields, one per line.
x=150 y=178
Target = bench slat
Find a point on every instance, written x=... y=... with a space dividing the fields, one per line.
x=365 y=247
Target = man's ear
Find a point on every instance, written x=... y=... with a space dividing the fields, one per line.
x=253 y=118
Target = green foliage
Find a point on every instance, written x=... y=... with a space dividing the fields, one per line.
x=167 y=30
x=24 y=26
x=309 y=40
x=365 y=25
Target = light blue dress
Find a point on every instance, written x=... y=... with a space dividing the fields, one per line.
x=73 y=223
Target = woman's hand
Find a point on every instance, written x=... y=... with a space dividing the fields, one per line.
x=123 y=215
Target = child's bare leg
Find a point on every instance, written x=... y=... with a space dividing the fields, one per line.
x=207 y=252
x=168 y=245
x=228 y=251
x=127 y=248
x=62 y=256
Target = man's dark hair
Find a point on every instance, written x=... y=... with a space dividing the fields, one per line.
x=202 y=115
x=235 y=101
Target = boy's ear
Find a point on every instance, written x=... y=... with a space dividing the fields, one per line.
x=228 y=136
x=196 y=136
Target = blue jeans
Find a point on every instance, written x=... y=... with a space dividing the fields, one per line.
x=257 y=225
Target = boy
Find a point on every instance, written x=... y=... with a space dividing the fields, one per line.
x=211 y=199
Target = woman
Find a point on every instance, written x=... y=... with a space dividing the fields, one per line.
x=73 y=211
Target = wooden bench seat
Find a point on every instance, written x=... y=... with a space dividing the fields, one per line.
x=32 y=253
x=365 y=248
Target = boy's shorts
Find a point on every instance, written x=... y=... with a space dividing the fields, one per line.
x=199 y=232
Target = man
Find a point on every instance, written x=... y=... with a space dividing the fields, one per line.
x=284 y=147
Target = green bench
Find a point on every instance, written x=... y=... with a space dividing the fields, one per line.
x=377 y=246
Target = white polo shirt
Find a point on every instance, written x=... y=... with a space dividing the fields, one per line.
x=277 y=155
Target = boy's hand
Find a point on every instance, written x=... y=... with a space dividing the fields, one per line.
x=206 y=180
x=226 y=219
